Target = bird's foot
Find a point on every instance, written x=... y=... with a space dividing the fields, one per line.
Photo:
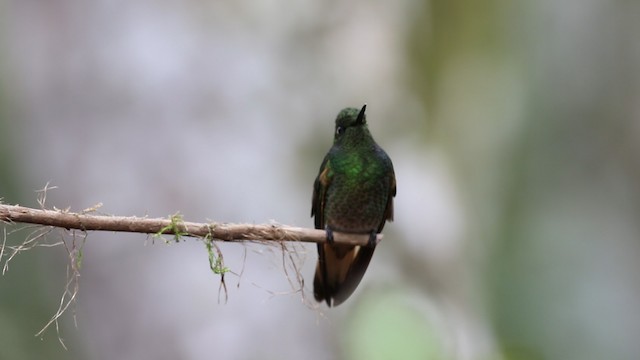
x=373 y=239
x=329 y=233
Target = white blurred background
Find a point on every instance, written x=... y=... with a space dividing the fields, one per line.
x=513 y=127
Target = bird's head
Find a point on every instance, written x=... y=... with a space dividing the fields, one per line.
x=351 y=124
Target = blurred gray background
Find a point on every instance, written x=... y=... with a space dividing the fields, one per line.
x=514 y=127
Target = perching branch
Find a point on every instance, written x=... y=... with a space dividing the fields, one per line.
x=87 y=220
x=174 y=226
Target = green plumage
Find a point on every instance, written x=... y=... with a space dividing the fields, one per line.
x=353 y=193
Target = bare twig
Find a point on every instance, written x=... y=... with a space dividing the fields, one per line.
x=173 y=226
x=44 y=221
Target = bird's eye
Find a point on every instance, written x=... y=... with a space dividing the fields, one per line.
x=339 y=130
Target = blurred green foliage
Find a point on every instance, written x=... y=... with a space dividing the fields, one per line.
x=533 y=101
x=385 y=325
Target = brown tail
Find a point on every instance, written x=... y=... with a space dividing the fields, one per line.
x=339 y=271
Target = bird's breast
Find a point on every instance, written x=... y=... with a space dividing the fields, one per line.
x=356 y=199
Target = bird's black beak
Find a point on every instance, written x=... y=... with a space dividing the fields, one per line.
x=360 y=119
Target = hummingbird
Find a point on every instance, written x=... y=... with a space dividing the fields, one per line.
x=353 y=193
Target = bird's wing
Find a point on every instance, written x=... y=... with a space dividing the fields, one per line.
x=388 y=212
x=319 y=192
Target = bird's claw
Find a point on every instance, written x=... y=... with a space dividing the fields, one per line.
x=373 y=239
x=329 y=233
